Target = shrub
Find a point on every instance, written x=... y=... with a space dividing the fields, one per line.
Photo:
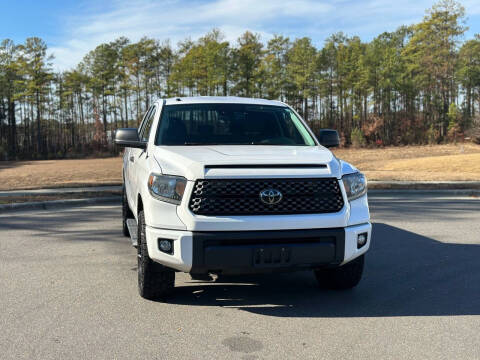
x=474 y=133
x=372 y=128
x=454 y=131
x=433 y=135
x=357 y=138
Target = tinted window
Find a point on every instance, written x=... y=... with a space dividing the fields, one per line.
x=231 y=124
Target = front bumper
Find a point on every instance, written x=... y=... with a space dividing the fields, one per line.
x=257 y=251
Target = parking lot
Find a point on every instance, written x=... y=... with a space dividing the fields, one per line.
x=69 y=290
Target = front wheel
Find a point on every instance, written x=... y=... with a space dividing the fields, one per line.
x=343 y=277
x=155 y=281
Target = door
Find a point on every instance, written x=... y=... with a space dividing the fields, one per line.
x=132 y=155
x=137 y=157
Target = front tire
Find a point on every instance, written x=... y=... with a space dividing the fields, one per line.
x=343 y=277
x=155 y=281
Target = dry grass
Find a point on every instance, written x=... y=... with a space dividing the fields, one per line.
x=60 y=173
x=422 y=163
x=439 y=162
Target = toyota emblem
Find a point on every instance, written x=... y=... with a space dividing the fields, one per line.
x=271 y=196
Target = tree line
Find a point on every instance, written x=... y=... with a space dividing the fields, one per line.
x=418 y=84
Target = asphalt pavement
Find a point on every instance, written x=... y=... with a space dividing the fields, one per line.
x=68 y=290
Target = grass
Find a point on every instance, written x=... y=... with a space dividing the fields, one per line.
x=423 y=163
x=417 y=163
x=60 y=173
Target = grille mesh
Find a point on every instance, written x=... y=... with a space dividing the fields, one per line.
x=242 y=196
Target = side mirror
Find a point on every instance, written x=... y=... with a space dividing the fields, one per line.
x=129 y=138
x=329 y=138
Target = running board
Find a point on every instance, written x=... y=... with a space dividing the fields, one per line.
x=132 y=229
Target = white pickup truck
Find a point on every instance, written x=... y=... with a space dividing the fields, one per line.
x=229 y=185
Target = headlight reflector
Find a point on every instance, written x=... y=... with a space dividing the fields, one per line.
x=355 y=185
x=167 y=188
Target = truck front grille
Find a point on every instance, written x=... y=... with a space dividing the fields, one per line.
x=242 y=196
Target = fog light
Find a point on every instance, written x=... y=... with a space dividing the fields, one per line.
x=165 y=245
x=361 y=240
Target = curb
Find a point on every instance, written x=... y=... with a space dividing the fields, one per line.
x=47 y=205
x=56 y=191
x=70 y=186
x=437 y=192
x=424 y=185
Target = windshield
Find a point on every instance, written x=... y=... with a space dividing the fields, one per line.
x=231 y=124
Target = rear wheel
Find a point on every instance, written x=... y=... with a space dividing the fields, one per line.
x=155 y=281
x=343 y=277
x=126 y=212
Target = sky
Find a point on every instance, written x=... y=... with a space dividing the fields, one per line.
x=73 y=28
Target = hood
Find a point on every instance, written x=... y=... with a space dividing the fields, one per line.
x=237 y=161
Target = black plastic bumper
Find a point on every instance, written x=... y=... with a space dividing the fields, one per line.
x=266 y=251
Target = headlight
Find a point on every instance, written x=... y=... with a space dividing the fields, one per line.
x=167 y=188
x=355 y=185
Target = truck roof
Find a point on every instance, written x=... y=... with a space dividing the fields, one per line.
x=221 y=100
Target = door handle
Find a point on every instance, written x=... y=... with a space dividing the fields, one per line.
x=132 y=159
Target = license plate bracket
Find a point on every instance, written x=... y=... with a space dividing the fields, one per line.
x=271 y=256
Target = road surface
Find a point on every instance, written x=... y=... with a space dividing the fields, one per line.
x=68 y=290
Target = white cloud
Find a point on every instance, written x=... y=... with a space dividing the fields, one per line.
x=179 y=19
